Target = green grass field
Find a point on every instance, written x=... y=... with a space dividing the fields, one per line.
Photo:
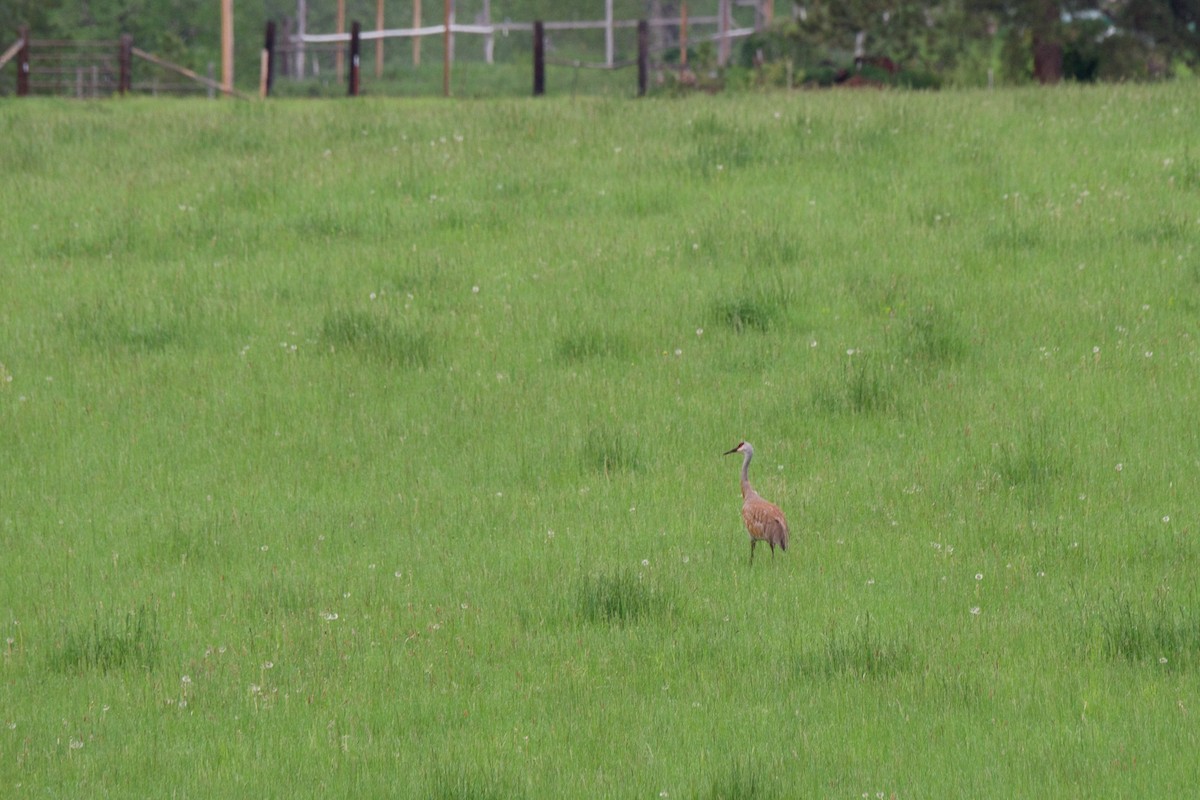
x=372 y=448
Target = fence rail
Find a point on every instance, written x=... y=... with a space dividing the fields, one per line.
x=97 y=67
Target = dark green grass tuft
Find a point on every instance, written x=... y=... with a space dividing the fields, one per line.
x=594 y=343
x=764 y=301
x=375 y=337
x=111 y=643
x=445 y=783
x=862 y=653
x=744 y=781
x=933 y=338
x=619 y=598
x=608 y=451
x=866 y=387
x=749 y=312
x=1160 y=636
x=110 y=326
x=1033 y=464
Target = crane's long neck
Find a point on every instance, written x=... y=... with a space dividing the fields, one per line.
x=747 y=490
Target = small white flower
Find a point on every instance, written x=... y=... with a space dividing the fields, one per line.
x=1120 y=467
x=1166 y=519
x=645 y=562
x=699 y=331
x=185 y=679
x=474 y=290
x=1162 y=659
x=975 y=610
x=978 y=576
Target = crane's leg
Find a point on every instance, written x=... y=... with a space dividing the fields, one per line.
x=753 y=542
x=772 y=548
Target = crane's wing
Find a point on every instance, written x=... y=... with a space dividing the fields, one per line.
x=765 y=521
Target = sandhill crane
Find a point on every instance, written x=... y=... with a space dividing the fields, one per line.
x=763 y=520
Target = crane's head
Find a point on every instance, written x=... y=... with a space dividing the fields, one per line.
x=744 y=447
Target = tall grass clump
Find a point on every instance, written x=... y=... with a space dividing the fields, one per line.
x=464 y=783
x=610 y=450
x=1032 y=464
x=745 y=779
x=594 y=343
x=861 y=653
x=111 y=643
x=620 y=597
x=866 y=384
x=1156 y=635
x=376 y=338
x=933 y=338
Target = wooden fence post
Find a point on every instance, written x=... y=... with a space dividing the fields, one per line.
x=125 y=65
x=23 y=64
x=416 y=40
x=539 y=58
x=447 y=52
x=683 y=34
x=643 y=56
x=355 y=61
x=266 y=70
x=378 y=42
x=227 y=45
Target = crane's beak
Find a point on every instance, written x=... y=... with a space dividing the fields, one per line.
x=734 y=450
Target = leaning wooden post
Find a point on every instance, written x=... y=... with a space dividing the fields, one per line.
x=643 y=56
x=266 y=68
x=355 y=31
x=23 y=64
x=125 y=65
x=539 y=59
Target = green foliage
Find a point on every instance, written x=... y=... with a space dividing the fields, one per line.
x=110 y=644
x=1154 y=635
x=622 y=597
x=744 y=780
x=375 y=337
x=606 y=451
x=860 y=654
